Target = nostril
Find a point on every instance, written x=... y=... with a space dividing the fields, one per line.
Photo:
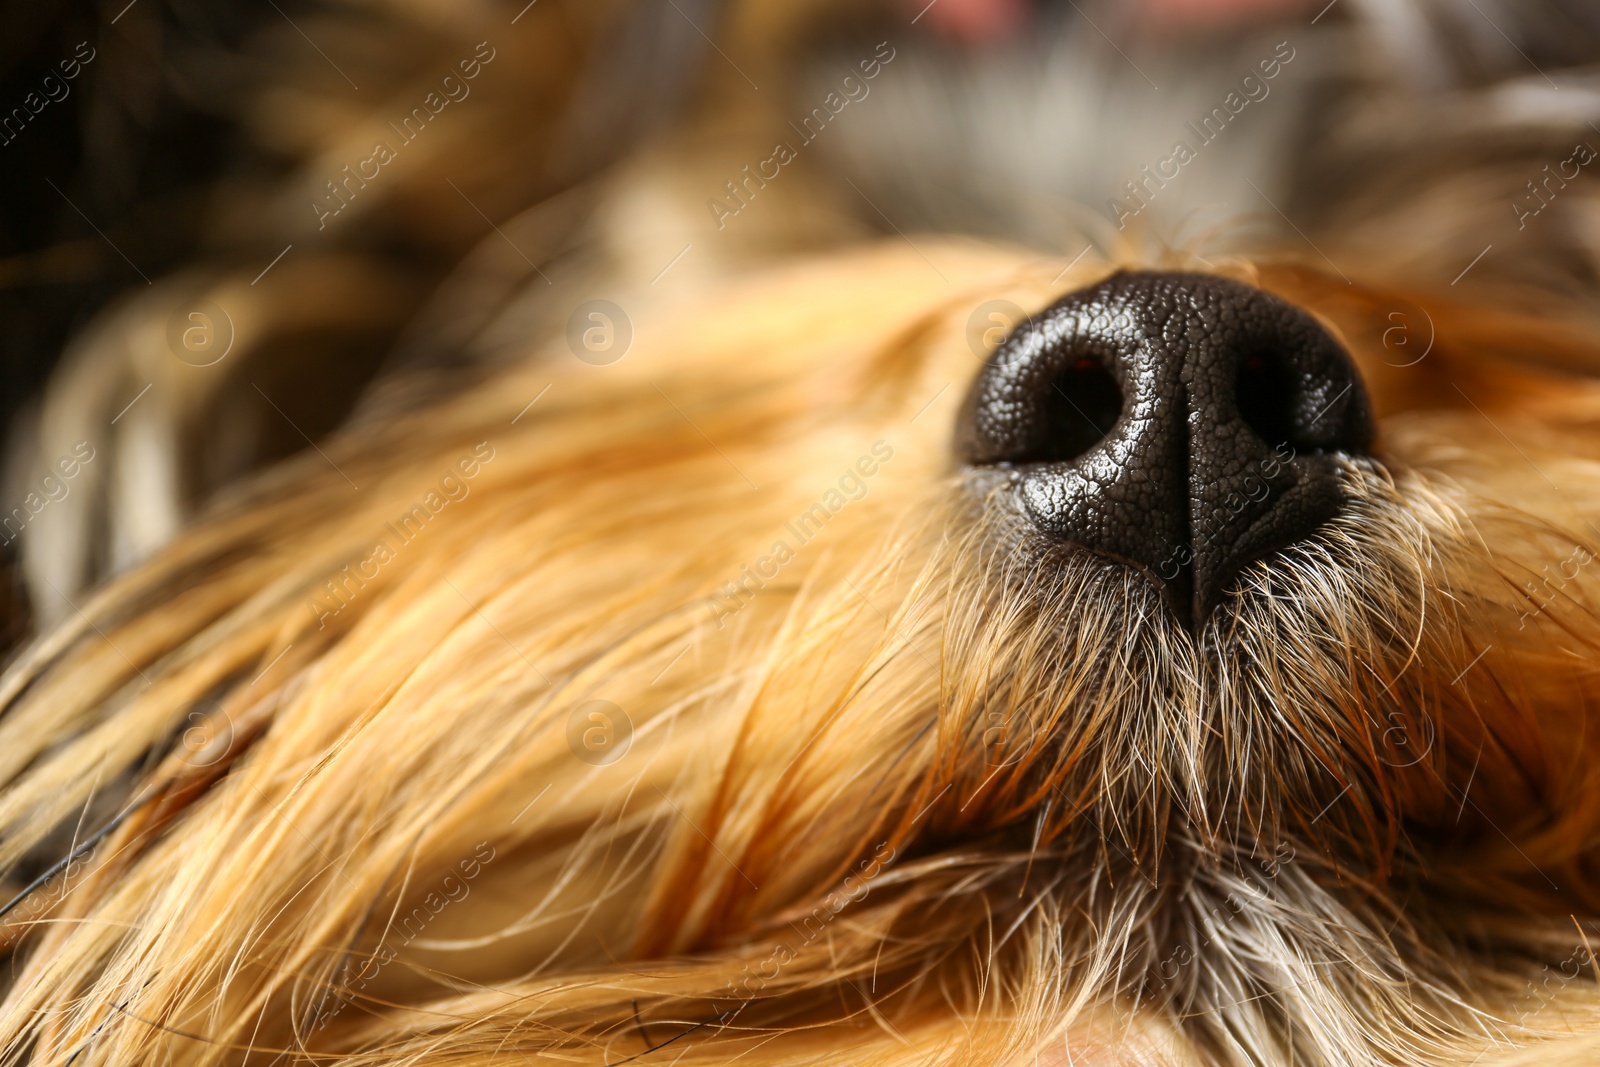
x=1200 y=382
x=1266 y=395
x=1077 y=412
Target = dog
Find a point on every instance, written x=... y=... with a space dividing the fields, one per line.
x=922 y=649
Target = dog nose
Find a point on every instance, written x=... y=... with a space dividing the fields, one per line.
x=1184 y=424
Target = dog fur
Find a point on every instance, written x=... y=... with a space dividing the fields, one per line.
x=880 y=778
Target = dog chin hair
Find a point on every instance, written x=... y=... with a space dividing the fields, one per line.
x=1293 y=713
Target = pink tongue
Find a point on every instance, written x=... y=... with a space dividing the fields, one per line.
x=972 y=21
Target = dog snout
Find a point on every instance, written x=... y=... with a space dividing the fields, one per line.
x=1184 y=424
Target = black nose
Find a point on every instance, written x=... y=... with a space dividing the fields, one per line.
x=1181 y=423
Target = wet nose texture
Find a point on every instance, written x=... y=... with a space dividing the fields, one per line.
x=1183 y=424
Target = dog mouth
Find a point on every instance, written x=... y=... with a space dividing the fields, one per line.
x=1180 y=424
x=1315 y=704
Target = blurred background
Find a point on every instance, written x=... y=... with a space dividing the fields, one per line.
x=230 y=227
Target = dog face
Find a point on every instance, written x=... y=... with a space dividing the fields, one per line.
x=809 y=684
x=931 y=651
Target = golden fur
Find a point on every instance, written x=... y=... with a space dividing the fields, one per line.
x=818 y=848
x=498 y=727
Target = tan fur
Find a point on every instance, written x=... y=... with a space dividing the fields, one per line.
x=816 y=849
x=928 y=792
